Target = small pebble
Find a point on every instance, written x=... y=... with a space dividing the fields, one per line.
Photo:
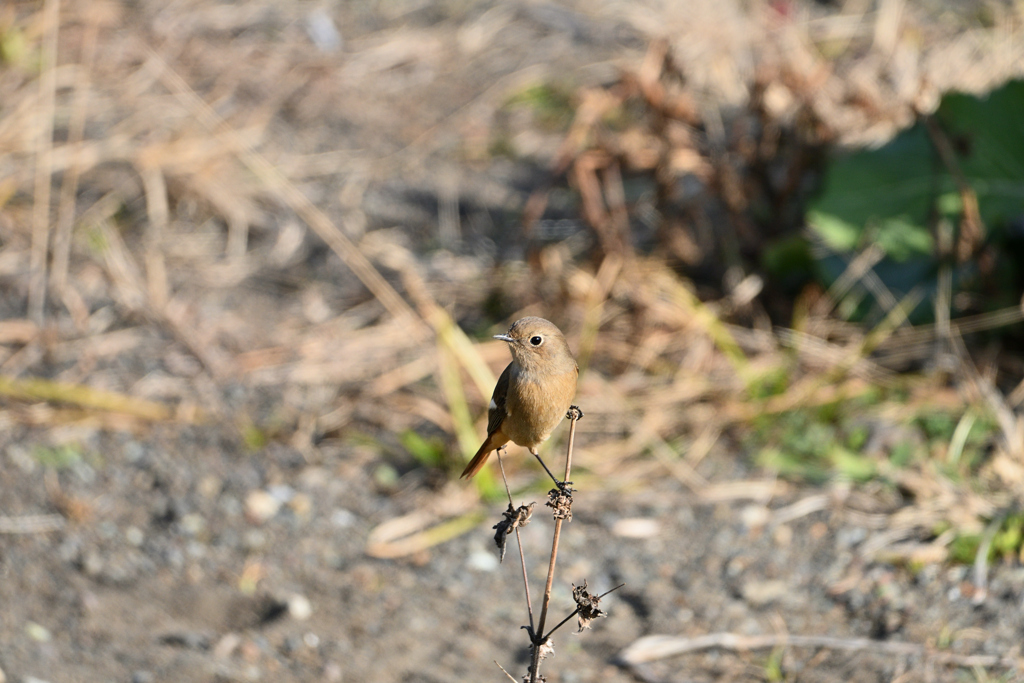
x=301 y=505
x=210 y=486
x=332 y=672
x=760 y=593
x=314 y=477
x=134 y=535
x=850 y=536
x=227 y=645
x=21 y=457
x=133 y=451
x=85 y=472
x=311 y=640
x=38 y=632
x=299 y=607
x=755 y=516
x=230 y=506
x=385 y=476
x=636 y=527
x=92 y=565
x=483 y=561
x=281 y=492
x=342 y=518
x=193 y=524
x=322 y=30
x=254 y=539
x=143 y=677
x=69 y=551
x=260 y=506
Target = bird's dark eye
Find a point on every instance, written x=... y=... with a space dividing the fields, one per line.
x=536 y=341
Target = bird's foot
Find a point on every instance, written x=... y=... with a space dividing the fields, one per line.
x=574 y=413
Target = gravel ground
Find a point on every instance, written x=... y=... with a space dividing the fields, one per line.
x=196 y=559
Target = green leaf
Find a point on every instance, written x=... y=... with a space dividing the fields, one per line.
x=853 y=466
x=58 y=458
x=430 y=453
x=838 y=235
x=892 y=196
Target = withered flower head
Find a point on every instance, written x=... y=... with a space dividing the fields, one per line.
x=512 y=519
x=560 y=500
x=587 y=605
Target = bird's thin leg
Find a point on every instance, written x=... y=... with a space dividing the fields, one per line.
x=498 y=452
x=562 y=485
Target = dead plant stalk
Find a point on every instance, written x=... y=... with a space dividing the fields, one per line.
x=538 y=636
x=560 y=500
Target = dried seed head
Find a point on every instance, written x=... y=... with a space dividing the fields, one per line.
x=587 y=605
x=512 y=519
x=547 y=649
x=560 y=500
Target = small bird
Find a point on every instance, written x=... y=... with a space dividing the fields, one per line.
x=533 y=393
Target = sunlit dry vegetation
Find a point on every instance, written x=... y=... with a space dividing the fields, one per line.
x=178 y=189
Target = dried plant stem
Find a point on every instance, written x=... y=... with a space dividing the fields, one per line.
x=31 y=524
x=538 y=634
x=519 y=542
x=577 y=611
x=43 y=166
x=69 y=184
x=658 y=647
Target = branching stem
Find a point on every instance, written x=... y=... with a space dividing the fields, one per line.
x=537 y=636
x=519 y=542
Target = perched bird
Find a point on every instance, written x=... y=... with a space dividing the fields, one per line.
x=533 y=393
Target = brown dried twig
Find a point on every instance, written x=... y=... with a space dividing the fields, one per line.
x=586 y=607
x=519 y=540
x=562 y=503
x=560 y=500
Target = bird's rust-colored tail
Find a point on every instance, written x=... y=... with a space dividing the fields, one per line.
x=493 y=441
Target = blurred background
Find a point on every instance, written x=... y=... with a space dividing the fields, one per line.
x=252 y=255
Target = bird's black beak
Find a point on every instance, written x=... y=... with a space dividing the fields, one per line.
x=504 y=338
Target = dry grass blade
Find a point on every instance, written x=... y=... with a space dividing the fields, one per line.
x=76 y=394
x=972 y=228
x=283 y=188
x=69 y=184
x=448 y=333
x=597 y=294
x=31 y=524
x=694 y=311
x=655 y=647
x=854 y=272
x=451 y=386
x=406 y=535
x=43 y=162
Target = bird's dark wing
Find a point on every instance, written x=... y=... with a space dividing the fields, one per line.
x=496 y=410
